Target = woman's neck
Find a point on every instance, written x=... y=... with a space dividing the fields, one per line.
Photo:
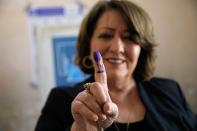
x=120 y=84
x=121 y=88
x=126 y=96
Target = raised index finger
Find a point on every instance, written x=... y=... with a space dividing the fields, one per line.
x=99 y=68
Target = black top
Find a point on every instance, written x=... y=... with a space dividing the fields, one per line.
x=136 y=126
x=166 y=107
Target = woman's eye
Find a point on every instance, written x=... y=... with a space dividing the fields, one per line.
x=128 y=37
x=105 y=36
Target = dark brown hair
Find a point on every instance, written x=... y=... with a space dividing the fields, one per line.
x=139 y=24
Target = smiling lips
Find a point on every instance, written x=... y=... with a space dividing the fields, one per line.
x=115 y=60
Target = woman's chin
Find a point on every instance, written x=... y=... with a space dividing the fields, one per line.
x=113 y=74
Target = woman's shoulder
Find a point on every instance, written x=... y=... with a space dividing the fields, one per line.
x=158 y=82
x=69 y=91
x=60 y=98
x=66 y=91
x=161 y=80
x=165 y=86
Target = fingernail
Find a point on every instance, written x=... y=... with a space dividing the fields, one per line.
x=97 y=56
x=107 y=109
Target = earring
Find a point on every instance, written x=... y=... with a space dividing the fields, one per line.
x=87 y=62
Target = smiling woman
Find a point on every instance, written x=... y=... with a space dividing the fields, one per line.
x=121 y=94
x=113 y=39
x=139 y=30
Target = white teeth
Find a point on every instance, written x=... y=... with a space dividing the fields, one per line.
x=116 y=61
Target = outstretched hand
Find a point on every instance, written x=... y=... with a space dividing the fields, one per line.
x=92 y=109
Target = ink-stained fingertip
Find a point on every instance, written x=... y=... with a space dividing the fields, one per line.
x=97 y=56
x=98 y=61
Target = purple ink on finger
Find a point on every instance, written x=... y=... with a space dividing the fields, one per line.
x=97 y=58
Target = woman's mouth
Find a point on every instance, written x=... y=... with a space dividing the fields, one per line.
x=115 y=60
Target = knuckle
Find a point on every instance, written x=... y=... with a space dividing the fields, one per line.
x=82 y=95
x=75 y=105
x=97 y=84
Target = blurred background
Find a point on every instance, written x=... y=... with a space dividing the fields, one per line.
x=37 y=46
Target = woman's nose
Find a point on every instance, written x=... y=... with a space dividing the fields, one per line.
x=117 y=45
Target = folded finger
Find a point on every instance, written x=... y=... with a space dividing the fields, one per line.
x=80 y=111
x=90 y=101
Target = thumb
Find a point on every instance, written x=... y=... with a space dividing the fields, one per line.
x=111 y=109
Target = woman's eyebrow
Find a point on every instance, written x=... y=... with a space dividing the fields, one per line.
x=113 y=29
x=108 y=28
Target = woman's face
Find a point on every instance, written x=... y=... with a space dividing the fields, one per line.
x=112 y=38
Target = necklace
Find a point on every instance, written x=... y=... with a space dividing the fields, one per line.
x=117 y=128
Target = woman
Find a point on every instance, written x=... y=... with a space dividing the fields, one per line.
x=116 y=46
